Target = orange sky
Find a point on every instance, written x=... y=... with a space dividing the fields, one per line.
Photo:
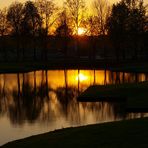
x=5 y=3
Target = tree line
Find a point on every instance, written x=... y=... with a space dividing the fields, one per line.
x=125 y=22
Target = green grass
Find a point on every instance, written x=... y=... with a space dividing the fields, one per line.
x=135 y=95
x=123 y=134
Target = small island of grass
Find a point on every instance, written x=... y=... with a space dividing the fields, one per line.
x=134 y=95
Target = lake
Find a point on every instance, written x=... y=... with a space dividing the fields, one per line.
x=42 y=101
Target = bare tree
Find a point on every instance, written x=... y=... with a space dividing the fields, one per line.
x=32 y=21
x=3 y=30
x=15 y=17
x=102 y=11
x=92 y=25
x=3 y=22
x=47 y=9
x=63 y=30
x=76 y=10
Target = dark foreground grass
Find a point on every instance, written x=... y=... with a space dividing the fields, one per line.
x=121 y=134
x=135 y=95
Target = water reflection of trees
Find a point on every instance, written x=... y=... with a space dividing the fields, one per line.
x=37 y=100
x=3 y=97
x=124 y=77
x=65 y=95
x=104 y=111
x=28 y=102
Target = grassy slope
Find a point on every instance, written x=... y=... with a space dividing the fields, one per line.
x=130 y=133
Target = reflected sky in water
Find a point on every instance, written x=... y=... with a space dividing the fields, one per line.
x=42 y=101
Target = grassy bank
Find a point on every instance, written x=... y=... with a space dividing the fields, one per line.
x=130 y=133
x=135 y=95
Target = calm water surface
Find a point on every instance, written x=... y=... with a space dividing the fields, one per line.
x=42 y=101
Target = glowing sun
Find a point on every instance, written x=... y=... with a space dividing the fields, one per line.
x=81 y=31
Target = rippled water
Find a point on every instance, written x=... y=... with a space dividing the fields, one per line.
x=42 y=101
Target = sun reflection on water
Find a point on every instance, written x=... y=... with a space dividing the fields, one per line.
x=81 y=77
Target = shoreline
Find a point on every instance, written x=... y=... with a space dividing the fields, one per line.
x=22 y=67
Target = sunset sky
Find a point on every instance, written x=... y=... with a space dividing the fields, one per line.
x=5 y=3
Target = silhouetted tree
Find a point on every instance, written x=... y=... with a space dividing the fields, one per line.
x=136 y=23
x=117 y=25
x=127 y=21
x=32 y=22
x=63 y=31
x=4 y=27
x=102 y=11
x=15 y=17
x=76 y=11
x=92 y=25
x=3 y=22
x=47 y=10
